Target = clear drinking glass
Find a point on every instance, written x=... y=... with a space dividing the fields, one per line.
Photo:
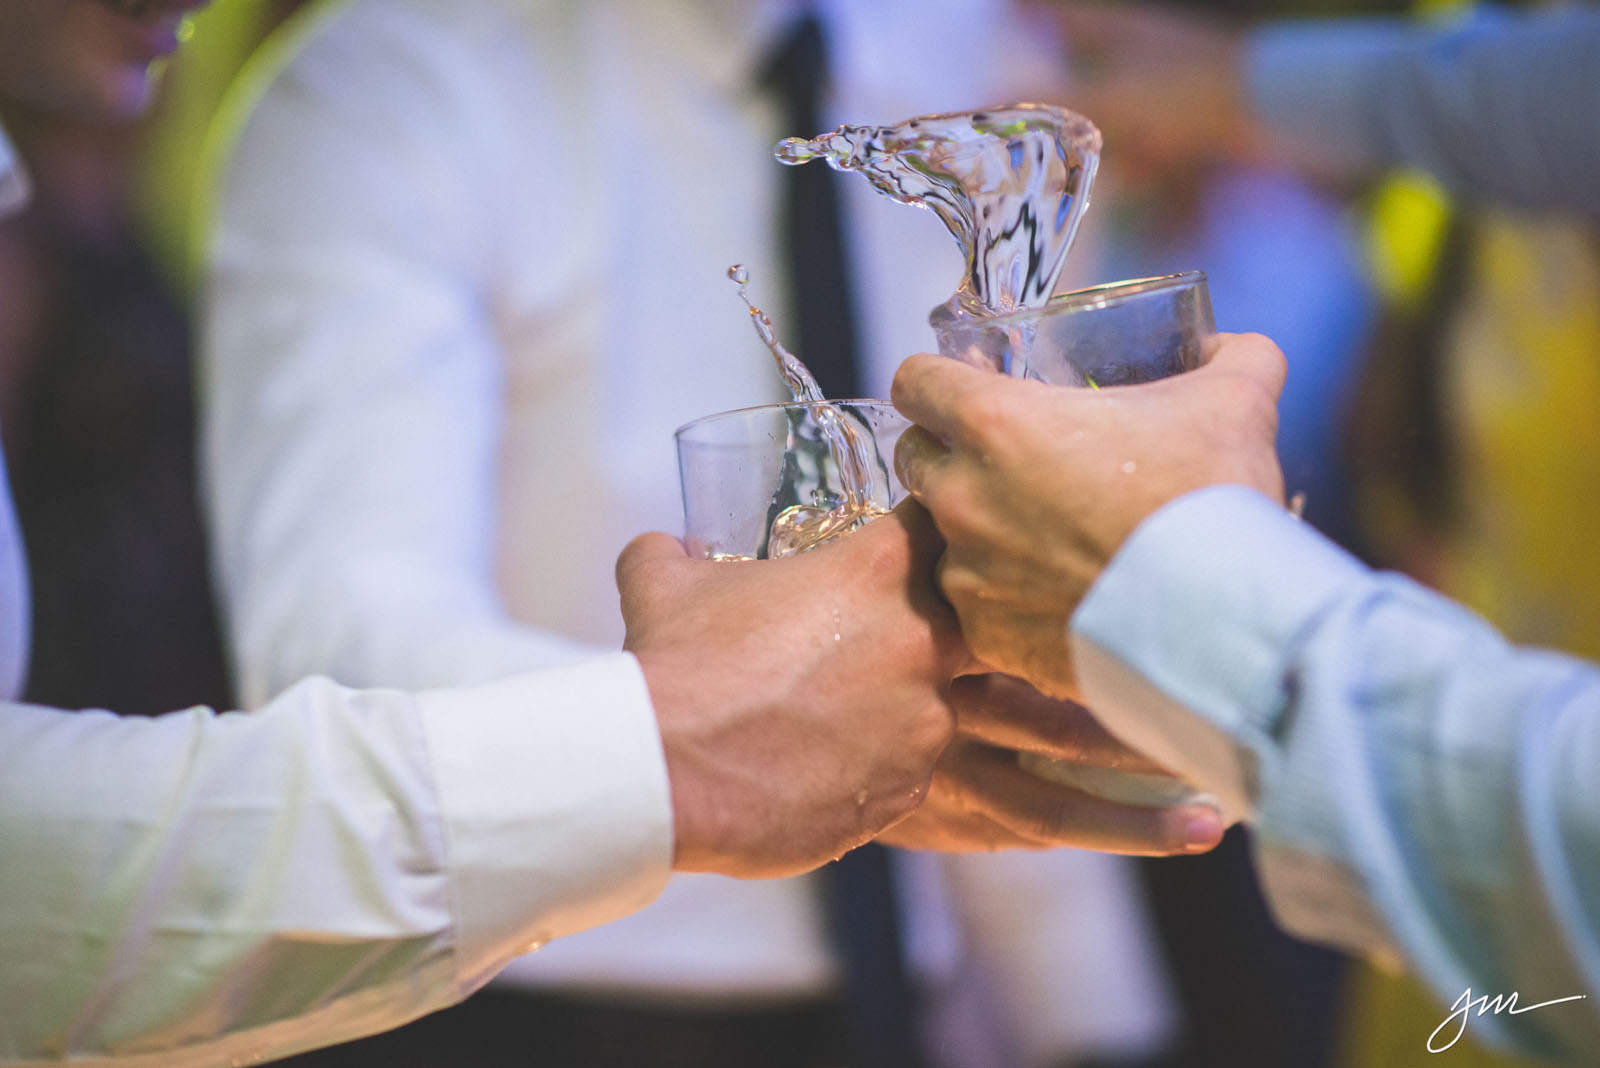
x=1106 y=335
x=742 y=470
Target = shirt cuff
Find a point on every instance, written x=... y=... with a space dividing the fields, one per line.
x=1182 y=644
x=556 y=805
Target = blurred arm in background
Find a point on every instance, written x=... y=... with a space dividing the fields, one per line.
x=1497 y=107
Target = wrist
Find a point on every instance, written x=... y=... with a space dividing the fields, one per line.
x=702 y=823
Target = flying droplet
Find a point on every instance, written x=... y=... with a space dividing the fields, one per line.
x=795 y=150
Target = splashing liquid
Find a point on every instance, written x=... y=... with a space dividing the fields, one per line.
x=796 y=375
x=804 y=526
x=1011 y=184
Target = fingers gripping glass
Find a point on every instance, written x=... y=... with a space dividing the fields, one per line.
x=1120 y=333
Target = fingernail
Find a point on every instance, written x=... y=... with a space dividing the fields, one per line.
x=1202 y=830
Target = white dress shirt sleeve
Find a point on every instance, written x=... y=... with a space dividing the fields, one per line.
x=203 y=889
x=353 y=382
x=1418 y=784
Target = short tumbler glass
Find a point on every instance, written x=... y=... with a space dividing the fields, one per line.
x=1107 y=335
x=740 y=470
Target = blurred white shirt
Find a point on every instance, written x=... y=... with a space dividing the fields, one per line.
x=468 y=276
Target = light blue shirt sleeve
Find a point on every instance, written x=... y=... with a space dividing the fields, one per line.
x=1419 y=786
x=1500 y=107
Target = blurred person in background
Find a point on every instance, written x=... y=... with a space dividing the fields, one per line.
x=1470 y=447
x=99 y=431
x=1418 y=782
x=194 y=888
x=1282 y=255
x=467 y=275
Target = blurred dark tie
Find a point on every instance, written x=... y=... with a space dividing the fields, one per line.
x=859 y=891
x=809 y=224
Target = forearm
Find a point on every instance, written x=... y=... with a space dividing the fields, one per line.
x=1416 y=782
x=183 y=890
x=1499 y=109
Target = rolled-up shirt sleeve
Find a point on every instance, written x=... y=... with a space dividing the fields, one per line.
x=1419 y=786
x=202 y=888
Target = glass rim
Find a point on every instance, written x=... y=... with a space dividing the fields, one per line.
x=852 y=402
x=1095 y=296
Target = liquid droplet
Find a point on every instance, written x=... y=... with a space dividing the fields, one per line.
x=793 y=151
x=795 y=375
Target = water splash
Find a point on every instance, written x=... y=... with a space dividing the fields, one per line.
x=804 y=526
x=796 y=375
x=1011 y=183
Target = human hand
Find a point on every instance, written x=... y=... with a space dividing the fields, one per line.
x=802 y=701
x=1034 y=487
x=983 y=800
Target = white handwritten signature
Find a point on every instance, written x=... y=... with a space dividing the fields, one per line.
x=1496 y=1004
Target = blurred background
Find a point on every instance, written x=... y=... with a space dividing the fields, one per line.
x=1433 y=426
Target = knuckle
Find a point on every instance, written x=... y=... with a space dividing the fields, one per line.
x=981 y=417
x=1058 y=817
x=1262 y=345
x=627 y=564
x=907 y=378
x=937 y=731
x=1270 y=358
x=927 y=734
x=1067 y=734
x=962 y=586
x=914 y=455
x=953 y=503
